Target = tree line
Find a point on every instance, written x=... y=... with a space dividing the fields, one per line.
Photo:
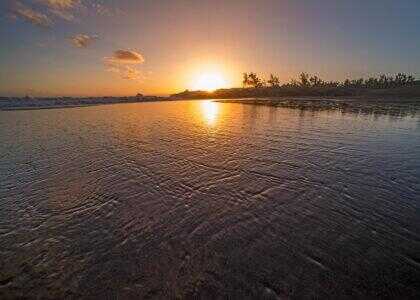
x=305 y=80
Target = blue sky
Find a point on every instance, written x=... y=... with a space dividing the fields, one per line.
x=70 y=47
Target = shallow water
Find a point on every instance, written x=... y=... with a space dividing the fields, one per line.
x=210 y=200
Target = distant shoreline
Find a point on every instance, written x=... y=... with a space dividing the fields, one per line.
x=312 y=98
x=13 y=104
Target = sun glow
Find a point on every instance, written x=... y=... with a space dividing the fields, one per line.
x=209 y=81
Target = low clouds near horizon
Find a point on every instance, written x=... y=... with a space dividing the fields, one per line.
x=123 y=63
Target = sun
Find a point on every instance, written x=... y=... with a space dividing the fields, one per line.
x=209 y=81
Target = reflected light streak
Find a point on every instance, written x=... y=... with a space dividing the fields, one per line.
x=210 y=111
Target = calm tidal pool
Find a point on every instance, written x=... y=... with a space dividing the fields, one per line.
x=196 y=199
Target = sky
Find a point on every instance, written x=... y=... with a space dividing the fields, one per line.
x=99 y=48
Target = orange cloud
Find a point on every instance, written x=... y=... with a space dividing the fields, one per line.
x=121 y=63
x=126 y=57
x=83 y=40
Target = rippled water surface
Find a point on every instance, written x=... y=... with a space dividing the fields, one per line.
x=209 y=200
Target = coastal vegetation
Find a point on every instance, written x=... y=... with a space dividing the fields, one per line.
x=253 y=85
x=400 y=87
x=305 y=80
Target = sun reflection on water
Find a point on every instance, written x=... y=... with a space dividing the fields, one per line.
x=210 y=112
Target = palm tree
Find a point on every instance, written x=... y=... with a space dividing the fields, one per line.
x=383 y=81
x=254 y=80
x=304 y=80
x=347 y=83
x=273 y=81
x=410 y=80
x=371 y=83
x=357 y=83
x=246 y=80
x=315 y=81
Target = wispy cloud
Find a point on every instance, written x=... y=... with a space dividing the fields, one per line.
x=63 y=14
x=61 y=8
x=104 y=10
x=123 y=62
x=60 y=4
x=125 y=72
x=26 y=13
x=43 y=12
x=83 y=40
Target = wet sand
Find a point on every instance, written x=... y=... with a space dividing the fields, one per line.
x=206 y=200
x=387 y=106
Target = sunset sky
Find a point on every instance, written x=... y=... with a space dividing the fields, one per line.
x=90 y=48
